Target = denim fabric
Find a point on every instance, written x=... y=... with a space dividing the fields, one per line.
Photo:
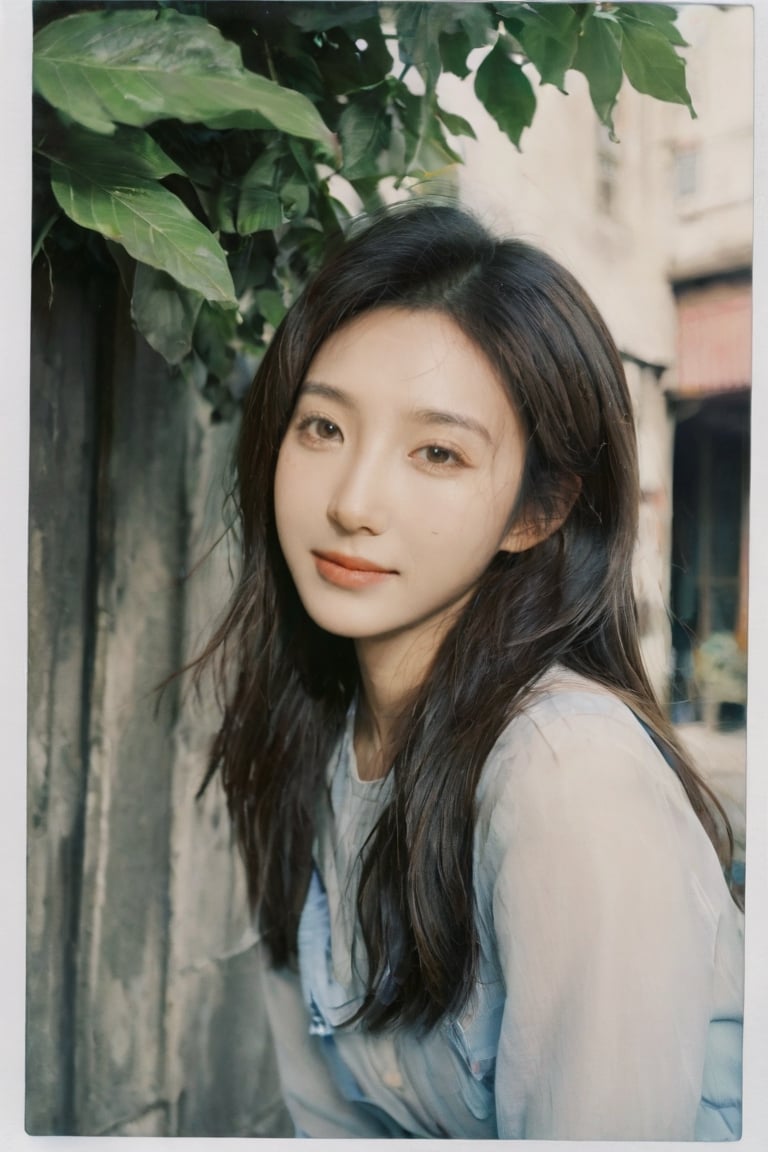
x=326 y=1001
x=468 y=1043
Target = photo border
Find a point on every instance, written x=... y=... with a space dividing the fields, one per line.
x=15 y=290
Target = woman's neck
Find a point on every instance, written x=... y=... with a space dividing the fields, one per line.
x=392 y=669
x=378 y=712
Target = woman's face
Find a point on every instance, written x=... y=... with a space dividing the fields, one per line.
x=397 y=476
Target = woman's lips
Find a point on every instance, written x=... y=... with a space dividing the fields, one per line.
x=349 y=571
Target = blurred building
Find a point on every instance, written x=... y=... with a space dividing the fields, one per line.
x=709 y=384
x=658 y=227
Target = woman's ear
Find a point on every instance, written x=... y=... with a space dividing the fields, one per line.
x=532 y=526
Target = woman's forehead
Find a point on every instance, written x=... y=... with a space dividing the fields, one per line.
x=419 y=359
x=410 y=343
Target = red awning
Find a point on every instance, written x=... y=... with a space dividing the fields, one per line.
x=714 y=340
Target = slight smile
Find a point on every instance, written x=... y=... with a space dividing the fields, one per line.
x=349 y=571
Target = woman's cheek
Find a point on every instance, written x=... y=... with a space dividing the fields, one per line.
x=289 y=482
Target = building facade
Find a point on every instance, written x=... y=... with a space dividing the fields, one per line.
x=658 y=228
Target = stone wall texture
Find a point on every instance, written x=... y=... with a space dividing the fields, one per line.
x=144 y=1013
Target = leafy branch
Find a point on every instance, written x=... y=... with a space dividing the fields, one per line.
x=210 y=144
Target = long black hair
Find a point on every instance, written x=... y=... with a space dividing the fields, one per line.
x=569 y=599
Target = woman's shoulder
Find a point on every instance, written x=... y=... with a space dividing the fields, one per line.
x=575 y=785
x=576 y=747
x=561 y=692
x=566 y=710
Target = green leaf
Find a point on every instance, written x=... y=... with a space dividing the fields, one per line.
x=134 y=67
x=259 y=210
x=369 y=192
x=271 y=307
x=454 y=49
x=300 y=251
x=418 y=34
x=164 y=312
x=651 y=63
x=303 y=163
x=352 y=60
x=469 y=27
x=548 y=34
x=149 y=221
x=214 y=333
x=251 y=267
x=340 y=65
x=330 y=211
x=663 y=16
x=599 y=58
x=323 y=17
x=194 y=371
x=455 y=124
x=427 y=152
x=476 y=20
x=294 y=196
x=126 y=267
x=419 y=148
x=364 y=130
x=221 y=207
x=505 y=91
x=263 y=172
x=432 y=155
x=130 y=151
x=507 y=12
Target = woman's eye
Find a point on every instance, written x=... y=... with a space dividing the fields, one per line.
x=319 y=428
x=437 y=455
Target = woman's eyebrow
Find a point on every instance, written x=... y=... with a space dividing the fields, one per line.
x=327 y=391
x=421 y=415
x=456 y=419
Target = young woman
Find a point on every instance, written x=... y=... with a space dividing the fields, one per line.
x=488 y=881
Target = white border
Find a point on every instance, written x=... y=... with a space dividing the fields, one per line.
x=15 y=283
x=15 y=87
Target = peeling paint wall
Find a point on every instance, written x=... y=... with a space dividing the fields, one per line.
x=144 y=1014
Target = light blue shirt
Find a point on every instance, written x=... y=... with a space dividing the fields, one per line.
x=609 y=996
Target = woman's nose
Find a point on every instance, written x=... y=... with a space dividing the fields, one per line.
x=358 y=501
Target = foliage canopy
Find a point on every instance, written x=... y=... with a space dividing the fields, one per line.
x=214 y=145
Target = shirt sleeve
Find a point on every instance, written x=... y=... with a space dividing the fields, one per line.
x=601 y=907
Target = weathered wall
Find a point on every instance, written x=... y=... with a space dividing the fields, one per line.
x=60 y=649
x=144 y=1015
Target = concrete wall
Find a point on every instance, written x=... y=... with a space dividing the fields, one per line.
x=144 y=1015
x=710 y=228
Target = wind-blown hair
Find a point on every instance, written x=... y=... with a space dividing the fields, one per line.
x=569 y=599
